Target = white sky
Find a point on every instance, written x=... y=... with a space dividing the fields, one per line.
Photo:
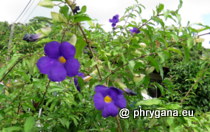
x=102 y=10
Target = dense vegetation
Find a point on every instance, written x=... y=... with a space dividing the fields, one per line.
x=140 y=54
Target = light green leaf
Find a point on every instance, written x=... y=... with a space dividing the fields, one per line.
x=43 y=31
x=84 y=9
x=29 y=124
x=73 y=39
x=46 y=3
x=57 y=17
x=80 y=45
x=11 y=129
x=131 y=65
x=150 y=102
x=190 y=43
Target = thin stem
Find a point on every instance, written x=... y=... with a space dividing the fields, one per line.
x=204 y=34
x=47 y=86
x=149 y=20
x=10 y=69
x=19 y=98
x=85 y=37
x=10 y=41
x=63 y=35
x=89 y=47
x=118 y=124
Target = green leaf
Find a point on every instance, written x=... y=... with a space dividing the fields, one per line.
x=154 y=63
x=12 y=129
x=65 y=122
x=80 y=18
x=131 y=65
x=44 y=31
x=29 y=124
x=159 y=21
x=64 y=10
x=150 y=102
x=1 y=88
x=190 y=43
x=84 y=9
x=46 y=3
x=160 y=7
x=186 y=54
x=173 y=49
x=57 y=17
x=80 y=45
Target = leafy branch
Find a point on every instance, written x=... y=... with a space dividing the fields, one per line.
x=85 y=37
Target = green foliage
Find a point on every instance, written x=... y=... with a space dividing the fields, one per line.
x=193 y=75
x=124 y=60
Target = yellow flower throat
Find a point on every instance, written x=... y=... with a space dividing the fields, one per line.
x=62 y=59
x=107 y=99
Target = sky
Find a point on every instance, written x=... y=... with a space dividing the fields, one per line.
x=102 y=10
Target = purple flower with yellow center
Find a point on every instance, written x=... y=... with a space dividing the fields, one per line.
x=114 y=20
x=59 y=61
x=135 y=30
x=109 y=100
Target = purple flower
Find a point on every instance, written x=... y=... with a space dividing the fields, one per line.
x=108 y=100
x=129 y=92
x=135 y=30
x=59 y=61
x=85 y=79
x=76 y=9
x=114 y=20
x=76 y=80
x=31 y=37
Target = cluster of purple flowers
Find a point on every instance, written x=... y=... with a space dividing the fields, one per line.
x=59 y=62
x=114 y=20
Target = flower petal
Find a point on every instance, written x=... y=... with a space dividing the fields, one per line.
x=114 y=93
x=99 y=101
x=57 y=73
x=102 y=89
x=129 y=92
x=120 y=101
x=45 y=64
x=72 y=67
x=52 y=49
x=67 y=50
x=110 y=110
x=80 y=74
x=113 y=24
